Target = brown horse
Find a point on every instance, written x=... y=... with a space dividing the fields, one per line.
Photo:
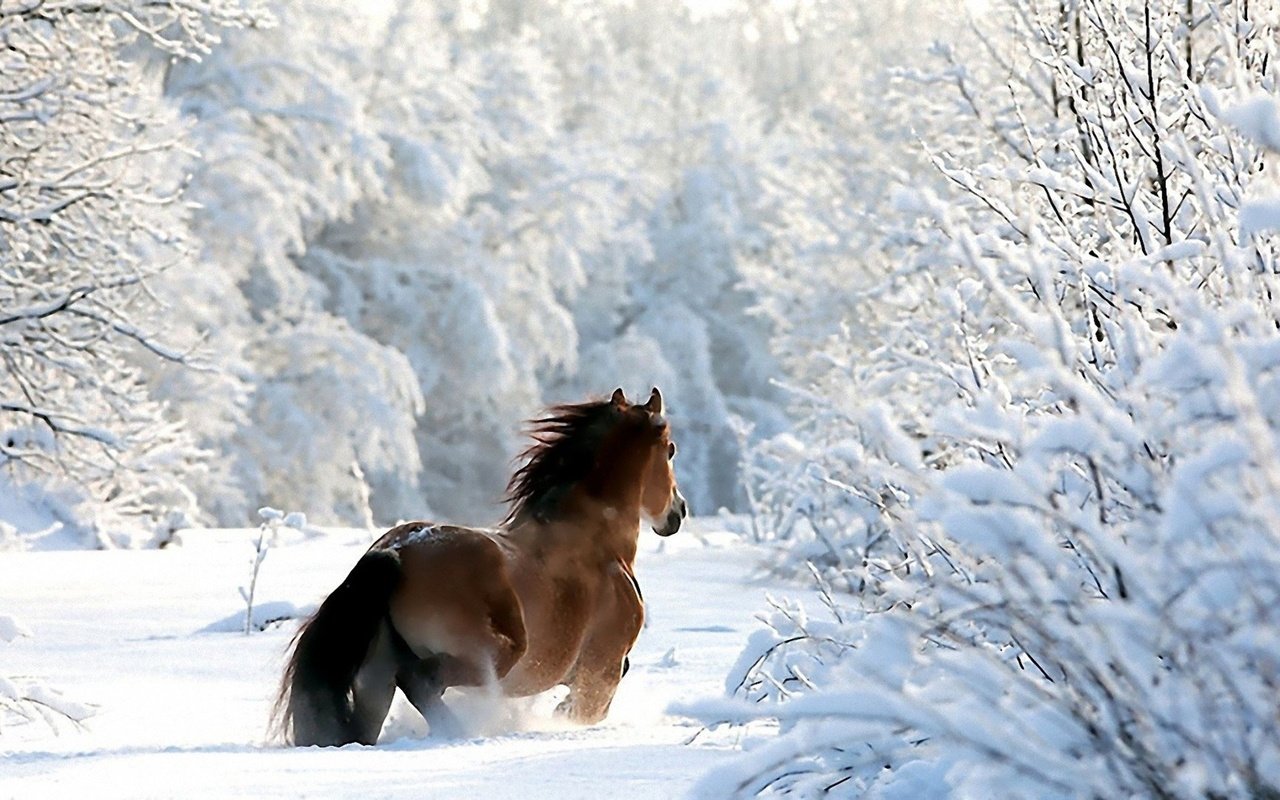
x=547 y=598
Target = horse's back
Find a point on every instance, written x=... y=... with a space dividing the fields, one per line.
x=455 y=599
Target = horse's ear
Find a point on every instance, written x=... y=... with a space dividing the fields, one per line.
x=654 y=406
x=619 y=399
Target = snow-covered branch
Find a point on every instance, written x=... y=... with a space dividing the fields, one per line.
x=26 y=700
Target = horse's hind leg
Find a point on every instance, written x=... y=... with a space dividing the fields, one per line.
x=374 y=687
x=419 y=679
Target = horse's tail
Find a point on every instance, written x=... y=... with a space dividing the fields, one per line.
x=314 y=705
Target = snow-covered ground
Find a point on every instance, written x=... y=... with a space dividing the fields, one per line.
x=183 y=709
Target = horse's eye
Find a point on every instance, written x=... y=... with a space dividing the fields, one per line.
x=671 y=450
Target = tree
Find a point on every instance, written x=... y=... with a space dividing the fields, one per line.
x=91 y=173
x=289 y=147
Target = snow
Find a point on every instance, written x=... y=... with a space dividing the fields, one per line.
x=265 y=615
x=29 y=520
x=11 y=629
x=182 y=708
x=1257 y=117
x=1259 y=215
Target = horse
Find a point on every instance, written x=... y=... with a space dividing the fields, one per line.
x=549 y=597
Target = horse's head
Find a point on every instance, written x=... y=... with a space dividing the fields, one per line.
x=604 y=447
x=661 y=504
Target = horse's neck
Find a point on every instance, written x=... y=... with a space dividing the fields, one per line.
x=598 y=518
x=610 y=502
x=586 y=528
x=615 y=525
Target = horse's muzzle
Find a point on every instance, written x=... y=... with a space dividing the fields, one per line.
x=675 y=515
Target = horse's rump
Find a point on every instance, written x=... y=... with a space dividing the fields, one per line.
x=456 y=601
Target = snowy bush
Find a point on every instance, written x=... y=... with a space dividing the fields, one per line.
x=1046 y=460
x=24 y=700
x=268 y=534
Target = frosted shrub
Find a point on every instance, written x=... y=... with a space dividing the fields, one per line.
x=268 y=534
x=25 y=700
x=1059 y=488
x=1066 y=645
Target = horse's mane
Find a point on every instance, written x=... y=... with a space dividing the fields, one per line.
x=565 y=441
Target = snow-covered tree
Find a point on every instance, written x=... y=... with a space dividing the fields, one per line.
x=505 y=204
x=1050 y=478
x=280 y=118
x=92 y=164
x=520 y=201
